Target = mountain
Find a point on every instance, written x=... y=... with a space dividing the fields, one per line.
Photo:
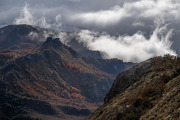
x=26 y=37
x=16 y=37
x=148 y=91
x=23 y=36
x=18 y=40
x=83 y=50
x=53 y=81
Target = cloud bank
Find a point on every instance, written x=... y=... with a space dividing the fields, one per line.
x=134 y=48
x=122 y=17
x=136 y=14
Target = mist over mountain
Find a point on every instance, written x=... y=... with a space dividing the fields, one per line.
x=55 y=77
x=89 y=59
x=139 y=21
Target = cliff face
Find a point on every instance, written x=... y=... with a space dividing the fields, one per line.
x=149 y=90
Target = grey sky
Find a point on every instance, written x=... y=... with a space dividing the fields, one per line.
x=116 y=17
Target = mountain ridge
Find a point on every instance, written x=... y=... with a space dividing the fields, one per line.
x=26 y=37
x=149 y=90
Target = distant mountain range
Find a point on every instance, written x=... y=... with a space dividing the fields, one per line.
x=47 y=79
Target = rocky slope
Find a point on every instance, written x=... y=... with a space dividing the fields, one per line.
x=25 y=37
x=148 y=91
x=53 y=81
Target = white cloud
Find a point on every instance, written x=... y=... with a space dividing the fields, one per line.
x=33 y=35
x=75 y=0
x=26 y=17
x=141 y=9
x=138 y=24
x=134 y=48
x=102 y=17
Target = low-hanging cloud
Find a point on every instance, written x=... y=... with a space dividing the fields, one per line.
x=26 y=17
x=134 y=48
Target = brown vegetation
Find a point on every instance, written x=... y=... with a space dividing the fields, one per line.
x=147 y=98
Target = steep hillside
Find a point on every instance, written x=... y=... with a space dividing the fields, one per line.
x=148 y=91
x=111 y=66
x=53 y=81
x=8 y=55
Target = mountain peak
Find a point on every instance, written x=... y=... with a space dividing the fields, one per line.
x=51 y=43
x=23 y=29
x=56 y=40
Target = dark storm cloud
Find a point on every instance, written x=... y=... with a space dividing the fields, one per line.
x=122 y=19
x=115 y=16
x=50 y=8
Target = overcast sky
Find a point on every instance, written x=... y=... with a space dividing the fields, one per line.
x=119 y=18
